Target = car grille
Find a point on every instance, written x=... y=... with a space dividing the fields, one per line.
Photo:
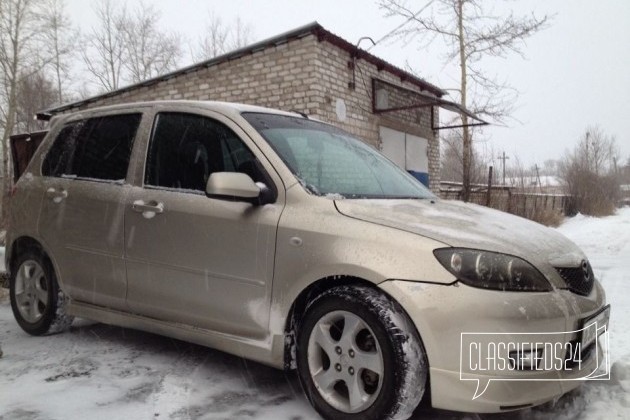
x=580 y=279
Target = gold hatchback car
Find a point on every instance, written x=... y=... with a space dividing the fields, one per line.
x=287 y=241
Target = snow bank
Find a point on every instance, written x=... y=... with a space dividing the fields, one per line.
x=606 y=241
x=620 y=374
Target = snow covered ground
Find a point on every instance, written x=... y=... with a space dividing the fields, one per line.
x=96 y=371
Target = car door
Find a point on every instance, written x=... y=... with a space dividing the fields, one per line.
x=192 y=259
x=82 y=213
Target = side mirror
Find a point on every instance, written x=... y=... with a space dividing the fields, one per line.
x=232 y=186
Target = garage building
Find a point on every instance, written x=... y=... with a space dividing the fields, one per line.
x=313 y=71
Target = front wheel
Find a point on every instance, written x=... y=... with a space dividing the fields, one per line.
x=37 y=302
x=359 y=356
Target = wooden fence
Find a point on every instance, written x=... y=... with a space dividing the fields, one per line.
x=512 y=200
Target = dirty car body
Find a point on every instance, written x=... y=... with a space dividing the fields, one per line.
x=286 y=241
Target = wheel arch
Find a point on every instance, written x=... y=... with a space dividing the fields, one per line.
x=53 y=318
x=407 y=357
x=20 y=245
x=300 y=304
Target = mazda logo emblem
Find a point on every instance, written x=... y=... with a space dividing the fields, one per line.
x=586 y=272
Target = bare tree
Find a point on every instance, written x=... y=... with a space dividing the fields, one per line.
x=452 y=157
x=471 y=34
x=517 y=176
x=19 y=31
x=589 y=173
x=597 y=150
x=149 y=51
x=550 y=167
x=214 y=42
x=240 y=34
x=36 y=92
x=221 y=38
x=104 y=56
x=129 y=46
x=59 y=38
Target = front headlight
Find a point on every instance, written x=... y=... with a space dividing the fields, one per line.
x=491 y=270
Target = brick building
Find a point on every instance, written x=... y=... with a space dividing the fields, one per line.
x=313 y=71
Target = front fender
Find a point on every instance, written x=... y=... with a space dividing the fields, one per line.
x=322 y=243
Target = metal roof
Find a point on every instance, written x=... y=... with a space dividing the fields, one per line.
x=310 y=29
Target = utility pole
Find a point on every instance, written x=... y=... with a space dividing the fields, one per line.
x=588 y=161
x=489 y=190
x=503 y=158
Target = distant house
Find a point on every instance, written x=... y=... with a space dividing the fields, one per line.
x=313 y=71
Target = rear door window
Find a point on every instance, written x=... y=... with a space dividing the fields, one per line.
x=94 y=149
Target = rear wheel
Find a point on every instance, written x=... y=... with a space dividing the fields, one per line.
x=36 y=300
x=359 y=356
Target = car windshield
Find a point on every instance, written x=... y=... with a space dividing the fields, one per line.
x=330 y=162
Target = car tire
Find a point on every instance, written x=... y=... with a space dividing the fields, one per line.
x=38 y=304
x=359 y=356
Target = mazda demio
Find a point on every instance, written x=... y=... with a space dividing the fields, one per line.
x=288 y=241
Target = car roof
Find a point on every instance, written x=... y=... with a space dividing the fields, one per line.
x=223 y=107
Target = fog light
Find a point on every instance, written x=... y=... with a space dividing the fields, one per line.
x=525 y=359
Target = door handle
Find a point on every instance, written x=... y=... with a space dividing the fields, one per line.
x=148 y=210
x=56 y=196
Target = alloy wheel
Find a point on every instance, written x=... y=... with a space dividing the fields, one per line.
x=31 y=291
x=345 y=361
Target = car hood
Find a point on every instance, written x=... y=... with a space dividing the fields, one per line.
x=459 y=224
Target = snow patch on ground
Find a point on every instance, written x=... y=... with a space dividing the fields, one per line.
x=97 y=371
x=606 y=241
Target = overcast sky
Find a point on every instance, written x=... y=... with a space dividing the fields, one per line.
x=576 y=73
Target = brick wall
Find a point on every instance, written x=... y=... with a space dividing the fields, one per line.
x=273 y=77
x=332 y=77
x=305 y=75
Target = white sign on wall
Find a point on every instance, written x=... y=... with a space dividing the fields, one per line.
x=340 y=109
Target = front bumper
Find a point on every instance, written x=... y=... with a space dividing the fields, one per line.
x=450 y=317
